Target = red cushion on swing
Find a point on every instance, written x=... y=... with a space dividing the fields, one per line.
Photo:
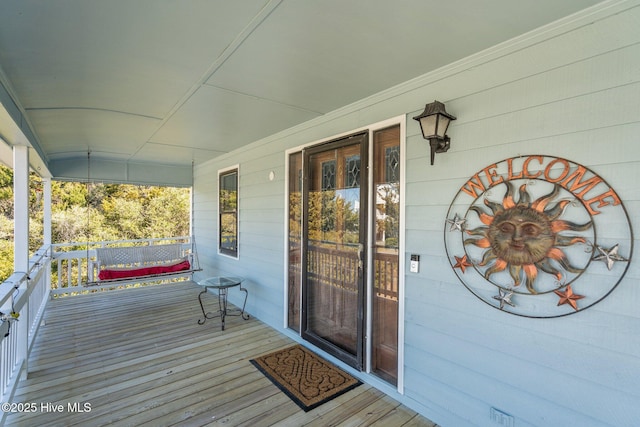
x=145 y=271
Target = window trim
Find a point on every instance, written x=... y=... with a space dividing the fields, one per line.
x=221 y=173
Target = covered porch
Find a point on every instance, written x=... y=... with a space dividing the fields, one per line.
x=263 y=108
x=139 y=357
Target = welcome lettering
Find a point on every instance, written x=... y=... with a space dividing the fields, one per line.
x=577 y=179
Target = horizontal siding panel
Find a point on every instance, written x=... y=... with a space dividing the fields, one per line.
x=570 y=116
x=590 y=75
x=254 y=184
x=261 y=164
x=269 y=254
x=444 y=399
x=579 y=389
x=471 y=319
x=485 y=393
x=271 y=227
x=257 y=202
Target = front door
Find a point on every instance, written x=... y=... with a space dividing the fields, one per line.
x=334 y=246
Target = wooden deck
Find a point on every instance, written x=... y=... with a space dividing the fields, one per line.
x=138 y=357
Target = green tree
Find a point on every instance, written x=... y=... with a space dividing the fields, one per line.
x=6 y=192
x=126 y=215
x=6 y=259
x=67 y=194
x=168 y=213
x=82 y=212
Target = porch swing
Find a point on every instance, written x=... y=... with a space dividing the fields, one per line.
x=133 y=264
x=119 y=265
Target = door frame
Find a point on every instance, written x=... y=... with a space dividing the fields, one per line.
x=398 y=120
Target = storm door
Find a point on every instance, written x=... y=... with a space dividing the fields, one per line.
x=334 y=247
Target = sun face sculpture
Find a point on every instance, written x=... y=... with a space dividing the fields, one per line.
x=538 y=236
x=524 y=237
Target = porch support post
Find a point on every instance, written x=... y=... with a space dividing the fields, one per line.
x=21 y=208
x=46 y=203
x=46 y=226
x=21 y=244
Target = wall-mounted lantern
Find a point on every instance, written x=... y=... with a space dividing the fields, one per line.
x=434 y=122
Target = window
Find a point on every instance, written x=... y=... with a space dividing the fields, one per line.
x=228 y=212
x=329 y=175
x=352 y=171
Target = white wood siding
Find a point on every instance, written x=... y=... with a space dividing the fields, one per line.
x=569 y=90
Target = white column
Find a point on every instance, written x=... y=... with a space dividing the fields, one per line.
x=21 y=208
x=46 y=203
x=21 y=243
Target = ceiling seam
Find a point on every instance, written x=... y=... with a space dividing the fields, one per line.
x=257 y=20
x=106 y=110
x=166 y=144
x=260 y=98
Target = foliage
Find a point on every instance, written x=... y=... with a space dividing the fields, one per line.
x=82 y=212
x=6 y=192
x=333 y=218
x=6 y=259
x=388 y=214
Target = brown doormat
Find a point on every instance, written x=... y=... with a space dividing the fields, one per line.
x=305 y=377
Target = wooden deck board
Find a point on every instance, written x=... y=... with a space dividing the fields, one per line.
x=139 y=357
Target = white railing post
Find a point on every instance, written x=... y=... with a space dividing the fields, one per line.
x=22 y=327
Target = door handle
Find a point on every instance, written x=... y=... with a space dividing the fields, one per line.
x=360 y=260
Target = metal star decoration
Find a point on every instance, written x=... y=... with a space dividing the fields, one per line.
x=609 y=256
x=462 y=263
x=457 y=223
x=568 y=297
x=504 y=297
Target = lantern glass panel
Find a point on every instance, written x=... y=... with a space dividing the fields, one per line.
x=443 y=125
x=428 y=125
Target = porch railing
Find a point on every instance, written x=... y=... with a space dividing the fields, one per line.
x=72 y=261
x=23 y=295
x=53 y=270
x=338 y=266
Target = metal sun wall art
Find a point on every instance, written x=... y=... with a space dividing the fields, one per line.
x=538 y=236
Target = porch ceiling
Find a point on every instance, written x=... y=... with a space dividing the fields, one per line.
x=171 y=82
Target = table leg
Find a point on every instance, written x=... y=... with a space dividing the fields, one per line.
x=204 y=313
x=222 y=304
x=246 y=294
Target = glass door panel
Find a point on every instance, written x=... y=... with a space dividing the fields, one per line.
x=334 y=247
x=385 y=272
x=295 y=241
